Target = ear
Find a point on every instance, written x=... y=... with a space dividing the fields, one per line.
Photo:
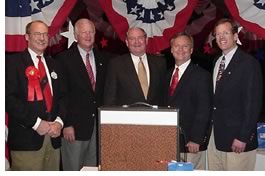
x=126 y=41
x=27 y=37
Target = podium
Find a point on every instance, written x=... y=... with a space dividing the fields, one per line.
x=137 y=138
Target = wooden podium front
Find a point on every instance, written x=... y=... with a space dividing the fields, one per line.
x=137 y=139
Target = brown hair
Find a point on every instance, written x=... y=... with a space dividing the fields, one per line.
x=182 y=34
x=28 y=26
x=226 y=20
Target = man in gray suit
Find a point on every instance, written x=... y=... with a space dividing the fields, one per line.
x=125 y=81
x=237 y=103
x=83 y=69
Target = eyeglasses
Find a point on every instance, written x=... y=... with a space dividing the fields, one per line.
x=39 y=34
x=223 y=34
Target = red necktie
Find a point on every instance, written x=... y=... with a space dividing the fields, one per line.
x=174 y=82
x=90 y=72
x=45 y=85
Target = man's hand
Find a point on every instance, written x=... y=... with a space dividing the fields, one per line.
x=55 y=129
x=193 y=147
x=69 y=134
x=238 y=146
x=43 y=127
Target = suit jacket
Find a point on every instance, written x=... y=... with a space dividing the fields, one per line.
x=237 y=103
x=123 y=86
x=193 y=98
x=82 y=100
x=23 y=113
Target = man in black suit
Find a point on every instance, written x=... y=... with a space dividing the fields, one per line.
x=84 y=72
x=136 y=76
x=35 y=104
x=237 y=103
x=189 y=88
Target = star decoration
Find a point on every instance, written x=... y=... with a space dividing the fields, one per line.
x=134 y=10
x=262 y=2
x=104 y=43
x=69 y=34
x=44 y=1
x=238 y=30
x=210 y=39
x=34 y=5
x=207 y=49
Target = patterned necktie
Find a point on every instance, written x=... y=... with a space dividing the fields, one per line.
x=90 y=72
x=45 y=85
x=174 y=82
x=220 y=70
x=142 y=77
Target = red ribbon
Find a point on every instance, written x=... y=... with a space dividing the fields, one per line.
x=33 y=83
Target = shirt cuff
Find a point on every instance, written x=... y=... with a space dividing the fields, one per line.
x=36 y=125
x=59 y=120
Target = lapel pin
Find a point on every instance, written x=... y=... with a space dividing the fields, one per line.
x=54 y=75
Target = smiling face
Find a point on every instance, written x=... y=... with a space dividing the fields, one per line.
x=181 y=49
x=37 y=37
x=136 y=41
x=225 y=38
x=85 y=34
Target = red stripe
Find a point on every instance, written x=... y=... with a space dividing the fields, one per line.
x=250 y=26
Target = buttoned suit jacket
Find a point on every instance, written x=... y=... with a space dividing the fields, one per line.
x=122 y=84
x=193 y=98
x=237 y=103
x=82 y=100
x=22 y=113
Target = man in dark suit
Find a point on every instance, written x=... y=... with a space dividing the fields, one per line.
x=137 y=76
x=84 y=72
x=237 y=103
x=189 y=88
x=35 y=104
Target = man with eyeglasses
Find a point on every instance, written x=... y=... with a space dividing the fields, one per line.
x=35 y=104
x=237 y=102
x=135 y=76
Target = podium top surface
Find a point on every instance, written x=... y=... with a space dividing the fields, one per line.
x=139 y=116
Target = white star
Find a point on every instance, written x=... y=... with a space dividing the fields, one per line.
x=238 y=30
x=33 y=5
x=161 y=1
x=69 y=34
x=44 y=1
x=262 y=2
x=141 y=14
x=210 y=39
x=134 y=9
x=169 y=7
x=161 y=15
x=152 y=17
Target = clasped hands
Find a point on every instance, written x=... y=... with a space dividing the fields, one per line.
x=52 y=129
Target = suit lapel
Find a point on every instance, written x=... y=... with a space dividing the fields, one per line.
x=153 y=78
x=228 y=71
x=183 y=80
x=99 y=68
x=83 y=78
x=132 y=74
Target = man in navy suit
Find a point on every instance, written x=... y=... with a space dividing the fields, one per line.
x=35 y=117
x=237 y=103
x=123 y=85
x=189 y=88
x=83 y=69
